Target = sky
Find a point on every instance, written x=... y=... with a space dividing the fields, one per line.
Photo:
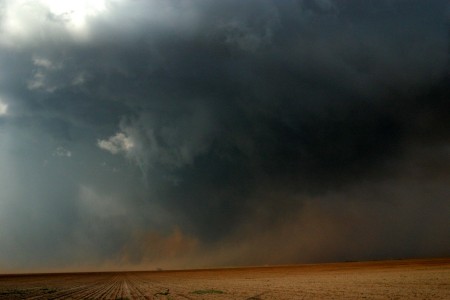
x=137 y=135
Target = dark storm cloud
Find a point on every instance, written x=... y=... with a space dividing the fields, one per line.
x=260 y=119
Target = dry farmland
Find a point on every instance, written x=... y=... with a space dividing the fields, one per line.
x=406 y=279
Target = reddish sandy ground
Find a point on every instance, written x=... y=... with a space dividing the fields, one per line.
x=406 y=279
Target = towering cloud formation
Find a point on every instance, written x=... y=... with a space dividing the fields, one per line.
x=144 y=134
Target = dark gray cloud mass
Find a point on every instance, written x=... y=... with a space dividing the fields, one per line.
x=174 y=134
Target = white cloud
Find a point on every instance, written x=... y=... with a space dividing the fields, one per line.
x=75 y=12
x=119 y=143
x=40 y=81
x=62 y=152
x=42 y=75
x=147 y=143
x=24 y=20
x=3 y=109
x=45 y=63
x=129 y=143
x=50 y=75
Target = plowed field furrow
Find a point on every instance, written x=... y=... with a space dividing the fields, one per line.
x=136 y=292
x=79 y=292
x=114 y=290
x=117 y=291
x=63 y=292
x=126 y=290
x=96 y=293
x=138 y=282
x=106 y=292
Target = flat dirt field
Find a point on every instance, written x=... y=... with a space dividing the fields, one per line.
x=401 y=279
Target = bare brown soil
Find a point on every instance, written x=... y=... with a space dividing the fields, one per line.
x=406 y=279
